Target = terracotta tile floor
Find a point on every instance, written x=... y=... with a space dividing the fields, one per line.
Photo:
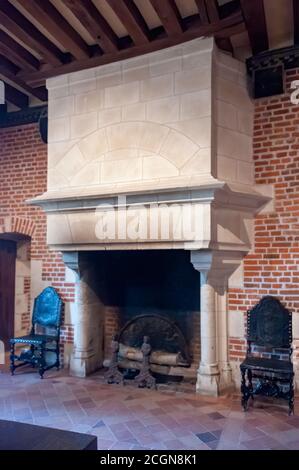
x=130 y=418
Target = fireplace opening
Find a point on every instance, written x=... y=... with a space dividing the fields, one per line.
x=154 y=293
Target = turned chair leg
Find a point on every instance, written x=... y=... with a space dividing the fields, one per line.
x=42 y=361
x=250 y=384
x=12 y=358
x=57 y=356
x=244 y=393
x=291 y=397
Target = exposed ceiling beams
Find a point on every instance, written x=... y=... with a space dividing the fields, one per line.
x=50 y=18
x=37 y=78
x=212 y=10
x=255 y=19
x=202 y=10
x=17 y=25
x=130 y=16
x=39 y=93
x=296 y=21
x=169 y=15
x=16 y=97
x=92 y=20
x=46 y=38
x=18 y=54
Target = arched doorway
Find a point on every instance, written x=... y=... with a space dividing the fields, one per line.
x=14 y=285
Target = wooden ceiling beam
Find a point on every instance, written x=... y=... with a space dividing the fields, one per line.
x=212 y=10
x=131 y=18
x=47 y=16
x=231 y=31
x=92 y=20
x=10 y=66
x=40 y=93
x=38 y=78
x=17 y=53
x=296 y=21
x=15 y=96
x=169 y=15
x=202 y=10
x=21 y=28
x=255 y=20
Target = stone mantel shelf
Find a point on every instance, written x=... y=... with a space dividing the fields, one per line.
x=221 y=214
x=135 y=187
x=220 y=193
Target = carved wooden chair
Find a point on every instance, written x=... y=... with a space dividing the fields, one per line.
x=268 y=369
x=44 y=335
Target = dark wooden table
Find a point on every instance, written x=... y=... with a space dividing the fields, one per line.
x=19 y=436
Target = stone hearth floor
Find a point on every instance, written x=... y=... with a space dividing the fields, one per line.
x=123 y=417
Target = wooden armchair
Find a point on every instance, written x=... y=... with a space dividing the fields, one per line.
x=268 y=369
x=44 y=335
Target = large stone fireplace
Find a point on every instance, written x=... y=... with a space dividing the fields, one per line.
x=142 y=171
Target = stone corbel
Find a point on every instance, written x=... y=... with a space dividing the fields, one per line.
x=74 y=261
x=216 y=266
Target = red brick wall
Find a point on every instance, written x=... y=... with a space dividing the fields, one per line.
x=23 y=175
x=272 y=266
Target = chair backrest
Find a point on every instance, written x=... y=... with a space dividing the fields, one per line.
x=47 y=309
x=269 y=324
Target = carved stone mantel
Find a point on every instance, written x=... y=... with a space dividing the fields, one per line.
x=224 y=236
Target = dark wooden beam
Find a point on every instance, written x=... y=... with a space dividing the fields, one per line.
x=131 y=18
x=16 y=97
x=92 y=20
x=255 y=19
x=38 y=78
x=212 y=10
x=202 y=10
x=47 y=16
x=296 y=21
x=40 y=93
x=21 y=28
x=169 y=15
x=231 y=31
x=8 y=65
x=17 y=53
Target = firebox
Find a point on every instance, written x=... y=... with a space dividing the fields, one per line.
x=154 y=293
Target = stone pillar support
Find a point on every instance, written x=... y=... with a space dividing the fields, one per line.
x=215 y=267
x=88 y=331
